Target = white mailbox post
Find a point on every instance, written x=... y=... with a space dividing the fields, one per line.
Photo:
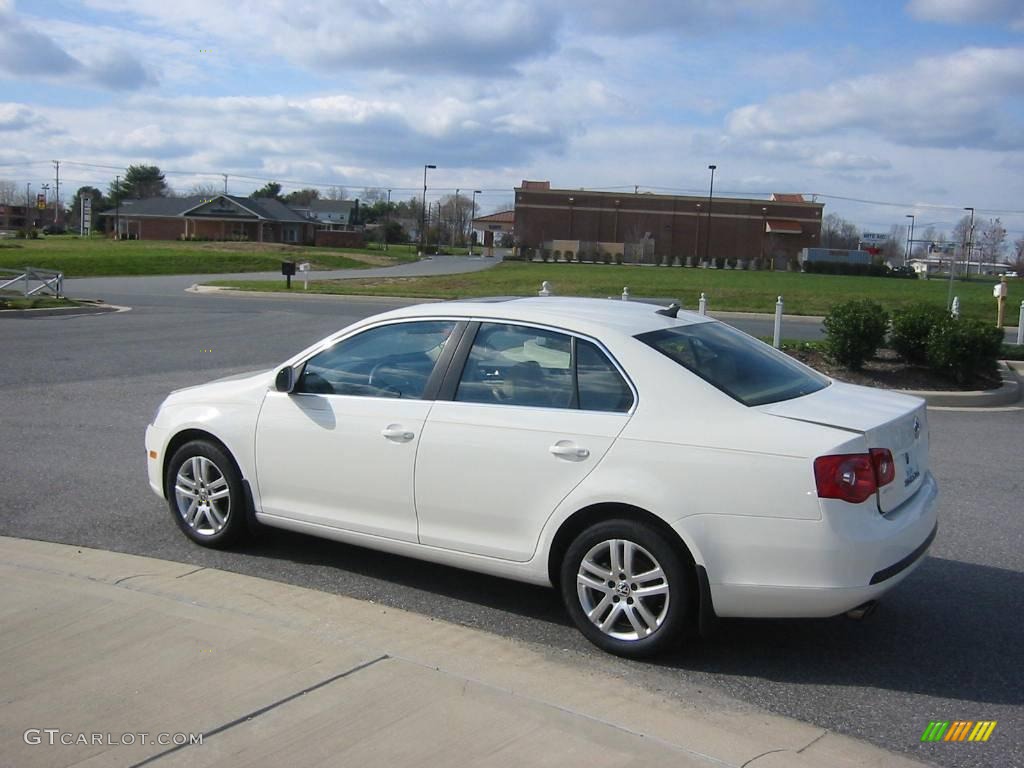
x=304 y=269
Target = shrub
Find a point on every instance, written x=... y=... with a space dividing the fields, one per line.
x=618 y=258
x=853 y=331
x=569 y=255
x=910 y=329
x=964 y=349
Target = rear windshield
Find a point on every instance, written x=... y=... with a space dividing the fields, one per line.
x=742 y=367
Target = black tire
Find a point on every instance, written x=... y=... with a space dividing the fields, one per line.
x=621 y=636
x=223 y=523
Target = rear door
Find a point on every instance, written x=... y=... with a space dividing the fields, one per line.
x=529 y=414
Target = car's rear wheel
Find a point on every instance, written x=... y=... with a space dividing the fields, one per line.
x=626 y=588
x=204 y=492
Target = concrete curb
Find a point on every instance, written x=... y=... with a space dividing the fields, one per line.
x=100 y=642
x=218 y=290
x=27 y=314
x=1007 y=393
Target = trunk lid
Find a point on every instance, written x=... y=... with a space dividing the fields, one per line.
x=886 y=419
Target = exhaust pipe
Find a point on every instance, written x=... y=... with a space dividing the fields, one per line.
x=862 y=611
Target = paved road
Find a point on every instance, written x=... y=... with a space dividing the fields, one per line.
x=76 y=393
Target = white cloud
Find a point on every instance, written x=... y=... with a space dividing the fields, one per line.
x=17 y=117
x=967 y=11
x=956 y=100
x=28 y=53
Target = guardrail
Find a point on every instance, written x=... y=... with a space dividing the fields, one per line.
x=47 y=280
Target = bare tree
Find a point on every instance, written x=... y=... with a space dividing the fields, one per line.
x=991 y=241
x=1018 y=255
x=8 y=192
x=837 y=232
x=373 y=195
x=455 y=215
x=895 y=245
x=204 y=190
x=336 y=193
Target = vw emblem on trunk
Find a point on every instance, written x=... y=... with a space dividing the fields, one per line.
x=917 y=428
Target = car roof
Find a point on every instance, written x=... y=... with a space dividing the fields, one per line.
x=584 y=315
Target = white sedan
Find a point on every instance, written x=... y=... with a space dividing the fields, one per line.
x=657 y=467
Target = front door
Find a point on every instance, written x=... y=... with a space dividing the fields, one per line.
x=340 y=449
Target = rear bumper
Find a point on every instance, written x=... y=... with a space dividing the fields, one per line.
x=776 y=567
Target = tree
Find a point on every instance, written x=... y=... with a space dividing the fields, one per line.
x=302 y=196
x=335 y=193
x=455 y=218
x=271 y=189
x=98 y=205
x=894 y=247
x=837 y=232
x=139 y=182
x=991 y=242
x=8 y=192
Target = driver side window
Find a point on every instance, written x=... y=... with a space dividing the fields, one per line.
x=388 y=361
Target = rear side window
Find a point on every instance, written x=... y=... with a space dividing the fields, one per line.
x=743 y=367
x=601 y=386
x=525 y=366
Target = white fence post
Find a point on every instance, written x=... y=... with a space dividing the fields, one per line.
x=777 y=335
x=955 y=311
x=1020 y=325
x=702 y=305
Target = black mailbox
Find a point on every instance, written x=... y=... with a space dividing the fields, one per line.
x=288 y=269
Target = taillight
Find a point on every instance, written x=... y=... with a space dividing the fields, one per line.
x=850 y=477
x=885 y=467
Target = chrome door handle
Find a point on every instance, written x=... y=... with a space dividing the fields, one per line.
x=397 y=433
x=567 y=449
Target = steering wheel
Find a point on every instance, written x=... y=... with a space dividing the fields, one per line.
x=388 y=380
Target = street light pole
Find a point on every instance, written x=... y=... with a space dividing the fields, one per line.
x=952 y=261
x=387 y=220
x=764 y=226
x=423 y=210
x=711 y=192
x=910 y=240
x=472 y=218
x=117 y=208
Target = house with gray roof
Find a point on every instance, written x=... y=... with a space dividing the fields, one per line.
x=220 y=217
x=333 y=215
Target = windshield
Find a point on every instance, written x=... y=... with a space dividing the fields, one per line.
x=739 y=365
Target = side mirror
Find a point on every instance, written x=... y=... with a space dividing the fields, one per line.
x=285 y=380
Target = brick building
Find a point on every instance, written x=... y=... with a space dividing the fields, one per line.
x=646 y=226
x=223 y=217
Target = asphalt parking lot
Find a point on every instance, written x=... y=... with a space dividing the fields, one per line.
x=77 y=392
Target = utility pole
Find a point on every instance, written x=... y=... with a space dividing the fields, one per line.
x=910 y=240
x=28 y=204
x=117 y=208
x=387 y=220
x=764 y=226
x=225 y=182
x=56 y=202
x=423 y=211
x=456 y=219
x=472 y=217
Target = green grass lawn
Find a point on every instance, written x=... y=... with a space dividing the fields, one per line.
x=79 y=257
x=739 y=291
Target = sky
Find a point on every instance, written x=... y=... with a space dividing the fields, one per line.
x=881 y=108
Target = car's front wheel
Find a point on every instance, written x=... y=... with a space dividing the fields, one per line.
x=626 y=588
x=204 y=492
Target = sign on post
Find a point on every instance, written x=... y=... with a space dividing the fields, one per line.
x=85 y=226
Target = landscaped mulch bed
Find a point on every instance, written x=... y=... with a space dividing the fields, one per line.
x=886 y=370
